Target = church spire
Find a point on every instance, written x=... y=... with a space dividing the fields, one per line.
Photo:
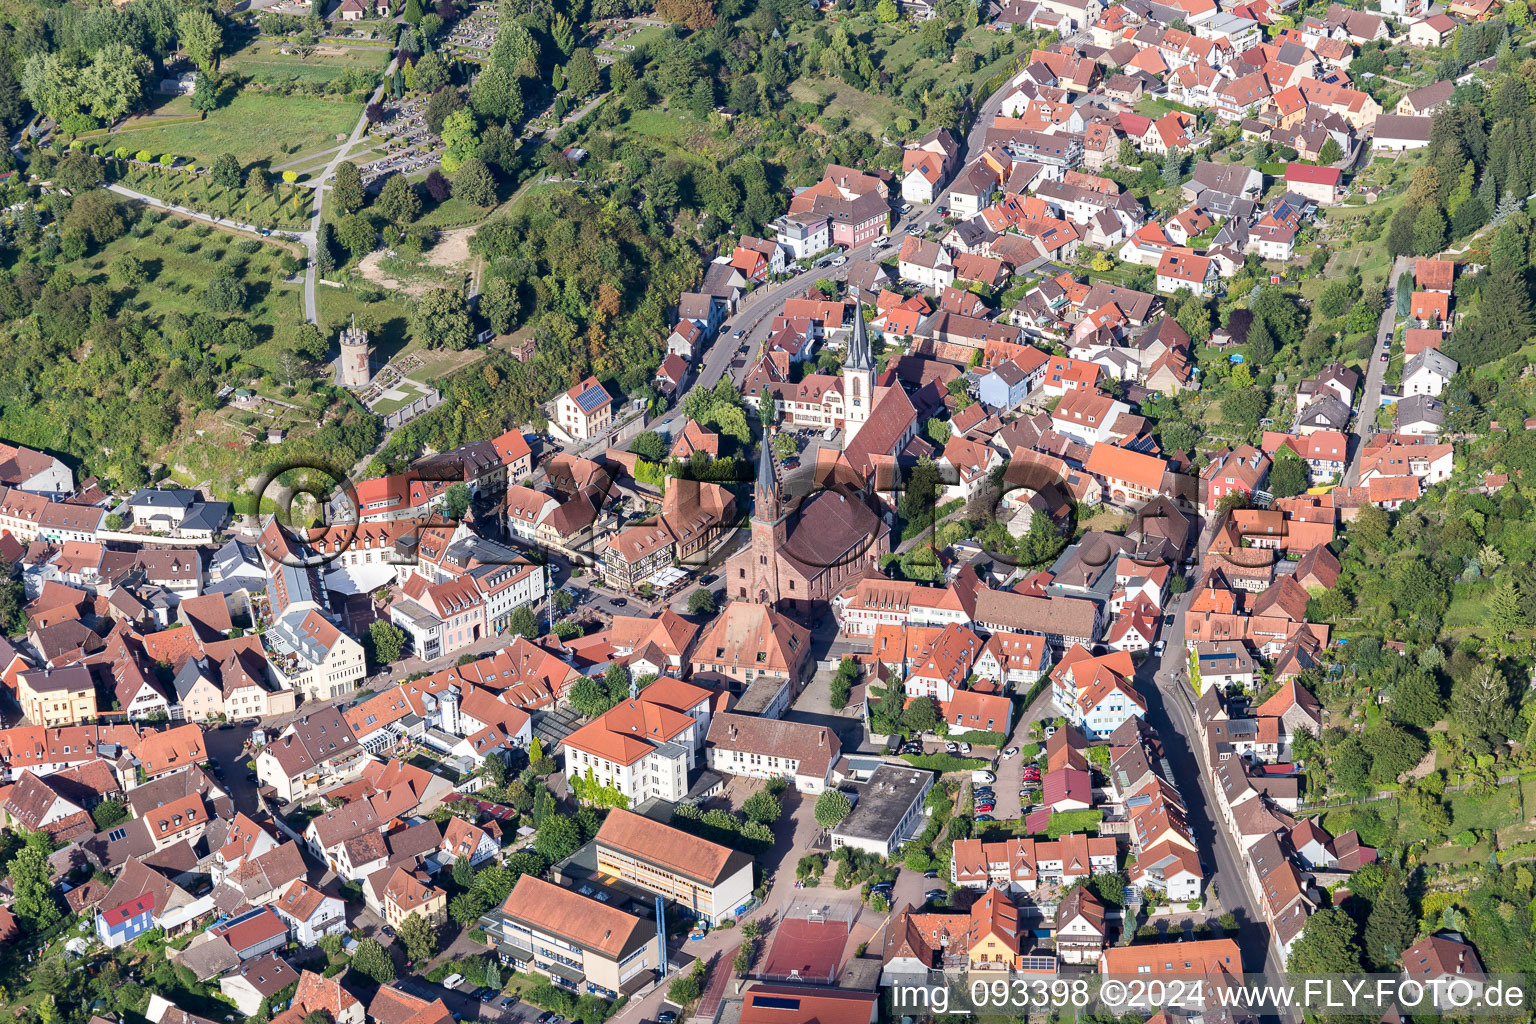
x=859 y=356
x=767 y=488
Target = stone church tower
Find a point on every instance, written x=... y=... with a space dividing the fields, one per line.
x=770 y=530
x=858 y=377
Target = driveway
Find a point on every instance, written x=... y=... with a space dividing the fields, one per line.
x=1375 y=376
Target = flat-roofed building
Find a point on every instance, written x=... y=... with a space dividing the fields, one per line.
x=888 y=812
x=711 y=880
x=580 y=944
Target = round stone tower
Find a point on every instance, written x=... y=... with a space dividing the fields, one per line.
x=352 y=368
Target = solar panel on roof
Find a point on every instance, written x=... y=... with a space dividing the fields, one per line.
x=591 y=398
x=777 y=1002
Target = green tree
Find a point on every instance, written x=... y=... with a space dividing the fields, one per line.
x=886 y=12
x=388 y=641
x=1351 y=766
x=398 y=200
x=226 y=171
x=419 y=937
x=524 y=623
x=1327 y=945
x=32 y=882
x=499 y=304
x=201 y=38
x=371 y=960
x=1331 y=153
x=474 y=184
x=357 y=235
x=347 y=187
x=460 y=138
x=582 y=75
x=108 y=813
x=1480 y=703
x=558 y=837
x=1391 y=925
x=1429 y=231
x=589 y=697
x=1416 y=700
x=922 y=715
x=762 y=807
x=832 y=806
x=701 y=602
x=1289 y=475
x=440 y=320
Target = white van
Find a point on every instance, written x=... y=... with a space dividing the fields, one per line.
x=982 y=777
x=453 y=981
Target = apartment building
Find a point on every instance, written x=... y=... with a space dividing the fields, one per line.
x=54 y=697
x=712 y=881
x=646 y=746
x=580 y=944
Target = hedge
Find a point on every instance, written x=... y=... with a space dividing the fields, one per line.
x=982 y=739
x=945 y=762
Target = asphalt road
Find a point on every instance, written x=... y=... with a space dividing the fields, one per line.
x=1375 y=376
x=1170 y=711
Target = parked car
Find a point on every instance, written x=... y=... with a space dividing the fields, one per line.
x=985 y=808
x=1050 y=731
x=666 y=1017
x=840 y=261
x=931 y=873
x=952 y=747
x=965 y=748
x=620 y=602
x=507 y=1001
x=1010 y=752
x=1157 y=648
x=985 y=817
x=936 y=895
x=741 y=332
x=453 y=980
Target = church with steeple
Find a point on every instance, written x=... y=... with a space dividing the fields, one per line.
x=803 y=553
x=878 y=422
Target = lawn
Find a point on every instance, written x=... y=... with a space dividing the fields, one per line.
x=1495 y=810
x=408 y=394
x=255 y=127
x=660 y=124
x=262 y=62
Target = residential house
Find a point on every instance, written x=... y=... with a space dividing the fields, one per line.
x=585 y=411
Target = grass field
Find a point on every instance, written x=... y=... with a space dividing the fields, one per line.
x=864 y=111
x=176 y=279
x=255 y=127
x=261 y=61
